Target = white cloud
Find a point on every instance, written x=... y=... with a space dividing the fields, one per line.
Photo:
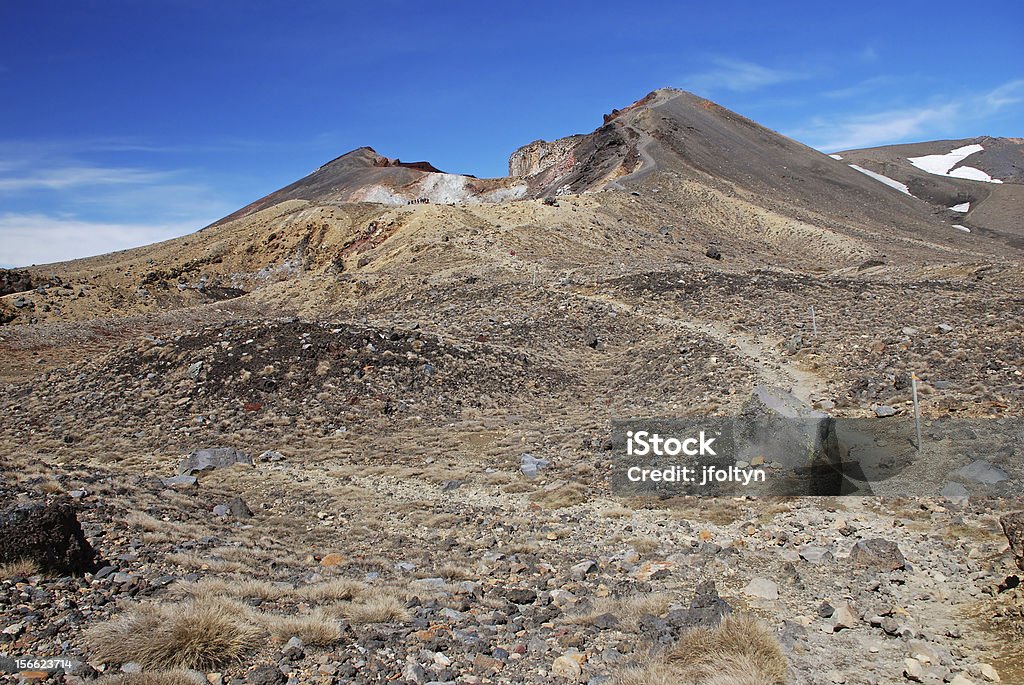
x=879 y=128
x=40 y=239
x=73 y=176
x=738 y=75
x=1007 y=94
x=906 y=124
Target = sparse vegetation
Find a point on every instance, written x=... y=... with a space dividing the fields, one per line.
x=201 y=635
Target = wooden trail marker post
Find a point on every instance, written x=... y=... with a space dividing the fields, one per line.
x=917 y=409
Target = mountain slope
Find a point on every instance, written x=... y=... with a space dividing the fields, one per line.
x=945 y=173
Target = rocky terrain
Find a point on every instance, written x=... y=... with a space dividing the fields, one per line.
x=409 y=393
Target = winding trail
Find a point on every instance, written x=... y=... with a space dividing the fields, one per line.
x=771 y=367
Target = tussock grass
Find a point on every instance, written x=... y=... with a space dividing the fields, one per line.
x=740 y=651
x=565 y=496
x=22 y=568
x=317 y=628
x=156 y=678
x=380 y=607
x=616 y=513
x=201 y=635
x=744 y=638
x=644 y=545
x=332 y=590
x=629 y=610
x=192 y=561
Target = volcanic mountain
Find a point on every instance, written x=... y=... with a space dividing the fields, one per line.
x=976 y=183
x=407 y=386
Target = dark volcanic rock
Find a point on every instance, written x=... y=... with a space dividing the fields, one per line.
x=1013 y=527
x=877 y=553
x=48 y=534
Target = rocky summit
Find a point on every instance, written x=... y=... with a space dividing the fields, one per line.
x=367 y=428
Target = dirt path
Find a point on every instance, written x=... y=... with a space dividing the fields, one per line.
x=771 y=367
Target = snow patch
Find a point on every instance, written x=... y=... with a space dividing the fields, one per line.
x=972 y=174
x=892 y=183
x=962 y=207
x=836 y=156
x=942 y=165
x=961 y=228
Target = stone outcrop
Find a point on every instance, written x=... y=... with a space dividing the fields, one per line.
x=1013 y=527
x=47 y=533
x=540 y=155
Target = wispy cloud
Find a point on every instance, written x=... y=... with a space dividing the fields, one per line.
x=901 y=125
x=878 y=128
x=73 y=176
x=739 y=75
x=27 y=239
x=1009 y=93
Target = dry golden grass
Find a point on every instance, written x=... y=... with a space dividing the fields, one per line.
x=49 y=487
x=740 y=651
x=379 y=607
x=194 y=562
x=629 y=610
x=454 y=571
x=332 y=590
x=151 y=524
x=616 y=512
x=157 y=678
x=212 y=588
x=316 y=628
x=22 y=568
x=565 y=496
x=201 y=635
x=644 y=545
x=740 y=645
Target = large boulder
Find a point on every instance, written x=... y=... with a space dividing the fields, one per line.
x=212 y=458
x=47 y=533
x=1013 y=527
x=779 y=428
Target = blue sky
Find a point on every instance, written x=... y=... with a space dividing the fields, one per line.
x=123 y=122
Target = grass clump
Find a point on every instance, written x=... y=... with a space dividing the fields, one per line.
x=202 y=636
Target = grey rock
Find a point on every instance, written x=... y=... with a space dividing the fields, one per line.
x=884 y=411
x=221 y=510
x=762 y=588
x=180 y=482
x=414 y=673
x=777 y=427
x=194 y=370
x=239 y=509
x=530 y=465
x=583 y=569
x=879 y=554
x=816 y=555
x=266 y=675
x=982 y=472
x=955 y=492
x=845 y=616
x=212 y=458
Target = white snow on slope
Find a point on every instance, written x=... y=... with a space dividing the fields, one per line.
x=972 y=174
x=836 y=156
x=941 y=164
x=892 y=183
x=963 y=207
x=961 y=228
